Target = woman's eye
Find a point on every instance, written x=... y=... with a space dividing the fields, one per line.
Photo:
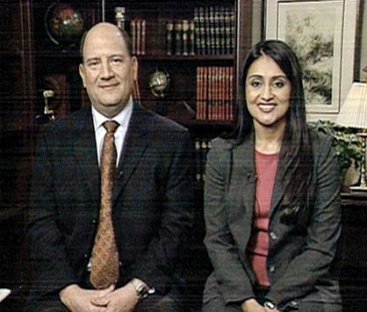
x=255 y=83
x=279 y=84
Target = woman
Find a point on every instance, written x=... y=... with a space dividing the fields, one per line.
x=272 y=204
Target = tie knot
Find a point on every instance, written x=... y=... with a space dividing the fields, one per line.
x=110 y=126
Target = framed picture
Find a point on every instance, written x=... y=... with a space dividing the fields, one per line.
x=323 y=35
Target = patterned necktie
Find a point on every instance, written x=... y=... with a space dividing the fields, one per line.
x=105 y=260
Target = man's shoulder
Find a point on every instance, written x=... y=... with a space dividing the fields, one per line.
x=67 y=125
x=153 y=119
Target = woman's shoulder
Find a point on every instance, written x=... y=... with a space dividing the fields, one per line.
x=320 y=138
x=322 y=144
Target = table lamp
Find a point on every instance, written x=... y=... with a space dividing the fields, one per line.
x=353 y=114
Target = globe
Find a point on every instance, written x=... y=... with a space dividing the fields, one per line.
x=64 y=24
x=159 y=83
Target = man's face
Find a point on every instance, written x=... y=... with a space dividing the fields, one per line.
x=108 y=71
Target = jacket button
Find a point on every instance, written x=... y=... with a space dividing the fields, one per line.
x=272 y=268
x=273 y=236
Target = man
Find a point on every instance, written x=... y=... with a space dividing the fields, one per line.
x=151 y=201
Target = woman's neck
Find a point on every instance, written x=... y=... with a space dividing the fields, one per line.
x=268 y=140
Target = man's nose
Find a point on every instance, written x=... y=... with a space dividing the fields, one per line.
x=107 y=71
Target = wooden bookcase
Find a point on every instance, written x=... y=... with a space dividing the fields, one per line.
x=31 y=62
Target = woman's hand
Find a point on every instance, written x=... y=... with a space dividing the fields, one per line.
x=251 y=305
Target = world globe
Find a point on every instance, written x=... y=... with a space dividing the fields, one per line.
x=159 y=83
x=64 y=24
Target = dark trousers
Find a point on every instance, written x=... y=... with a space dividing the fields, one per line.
x=218 y=304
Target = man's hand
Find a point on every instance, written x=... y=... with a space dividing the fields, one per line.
x=77 y=299
x=121 y=300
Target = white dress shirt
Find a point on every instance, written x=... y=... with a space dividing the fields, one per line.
x=123 y=118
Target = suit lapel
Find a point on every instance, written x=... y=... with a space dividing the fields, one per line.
x=278 y=191
x=134 y=146
x=245 y=177
x=85 y=152
x=247 y=158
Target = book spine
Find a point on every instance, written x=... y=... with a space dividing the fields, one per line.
x=202 y=38
x=207 y=47
x=192 y=38
x=138 y=36
x=232 y=31
x=205 y=93
x=178 y=37
x=231 y=98
x=184 y=37
x=133 y=35
x=143 y=32
x=169 y=37
x=227 y=18
x=198 y=94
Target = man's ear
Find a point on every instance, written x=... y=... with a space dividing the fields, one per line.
x=135 y=67
x=81 y=73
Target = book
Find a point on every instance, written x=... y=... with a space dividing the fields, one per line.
x=142 y=39
x=191 y=36
x=184 y=37
x=169 y=37
x=178 y=37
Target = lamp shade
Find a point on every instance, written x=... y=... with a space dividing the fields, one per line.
x=353 y=113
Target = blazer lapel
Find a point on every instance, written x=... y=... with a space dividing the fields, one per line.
x=85 y=152
x=278 y=191
x=134 y=146
x=247 y=158
x=245 y=177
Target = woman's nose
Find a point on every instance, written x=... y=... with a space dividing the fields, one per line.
x=266 y=93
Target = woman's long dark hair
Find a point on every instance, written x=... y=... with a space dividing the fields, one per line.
x=296 y=153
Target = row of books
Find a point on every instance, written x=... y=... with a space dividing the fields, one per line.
x=138 y=34
x=202 y=147
x=180 y=37
x=214 y=30
x=214 y=93
x=210 y=32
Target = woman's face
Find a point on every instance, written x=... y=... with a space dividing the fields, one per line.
x=268 y=92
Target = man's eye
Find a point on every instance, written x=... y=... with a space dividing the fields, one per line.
x=93 y=64
x=116 y=60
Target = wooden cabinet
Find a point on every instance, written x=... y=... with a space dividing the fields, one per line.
x=353 y=252
x=33 y=62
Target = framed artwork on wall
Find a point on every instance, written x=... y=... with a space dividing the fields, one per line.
x=323 y=35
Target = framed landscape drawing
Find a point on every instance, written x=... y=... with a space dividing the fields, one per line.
x=322 y=34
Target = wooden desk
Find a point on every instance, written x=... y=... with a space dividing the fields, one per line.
x=353 y=251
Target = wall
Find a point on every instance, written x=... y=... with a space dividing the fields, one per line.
x=361 y=52
x=362 y=75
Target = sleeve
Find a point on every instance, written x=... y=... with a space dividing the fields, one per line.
x=45 y=239
x=313 y=263
x=160 y=267
x=229 y=271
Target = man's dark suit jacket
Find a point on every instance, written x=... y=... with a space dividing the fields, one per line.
x=152 y=202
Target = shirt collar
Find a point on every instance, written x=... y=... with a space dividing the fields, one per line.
x=122 y=117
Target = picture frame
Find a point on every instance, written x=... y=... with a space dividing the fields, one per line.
x=323 y=35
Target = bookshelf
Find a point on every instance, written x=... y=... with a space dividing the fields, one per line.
x=199 y=44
